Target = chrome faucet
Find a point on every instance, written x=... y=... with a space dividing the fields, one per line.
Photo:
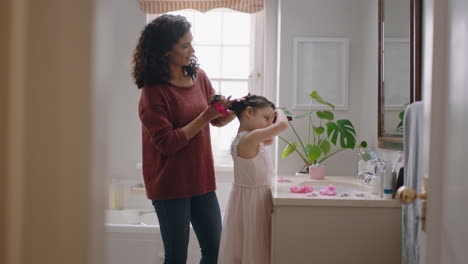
x=366 y=176
x=140 y=213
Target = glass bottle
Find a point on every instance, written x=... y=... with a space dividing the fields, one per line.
x=363 y=157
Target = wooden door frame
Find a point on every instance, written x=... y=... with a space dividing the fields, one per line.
x=53 y=210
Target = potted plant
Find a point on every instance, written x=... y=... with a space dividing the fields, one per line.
x=325 y=138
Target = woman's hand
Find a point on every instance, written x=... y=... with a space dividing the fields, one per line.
x=212 y=113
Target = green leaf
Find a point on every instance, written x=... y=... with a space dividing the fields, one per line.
x=314 y=95
x=324 y=146
x=401 y=115
x=303 y=115
x=319 y=130
x=313 y=152
x=290 y=148
x=400 y=125
x=327 y=115
x=363 y=144
x=286 y=111
x=343 y=129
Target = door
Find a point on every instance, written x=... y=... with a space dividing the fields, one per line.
x=445 y=95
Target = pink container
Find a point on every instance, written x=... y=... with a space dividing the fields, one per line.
x=317 y=172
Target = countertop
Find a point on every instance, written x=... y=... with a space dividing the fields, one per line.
x=283 y=197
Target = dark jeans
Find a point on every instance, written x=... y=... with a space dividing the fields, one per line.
x=175 y=217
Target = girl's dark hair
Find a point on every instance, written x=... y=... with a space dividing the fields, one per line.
x=150 y=65
x=254 y=101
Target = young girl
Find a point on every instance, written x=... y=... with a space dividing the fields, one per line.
x=245 y=237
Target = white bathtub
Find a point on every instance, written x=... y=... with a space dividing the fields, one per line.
x=136 y=239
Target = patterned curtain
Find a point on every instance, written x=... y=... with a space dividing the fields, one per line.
x=164 y=6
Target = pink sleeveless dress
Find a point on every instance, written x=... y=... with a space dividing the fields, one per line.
x=246 y=231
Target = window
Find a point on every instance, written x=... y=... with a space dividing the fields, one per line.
x=222 y=39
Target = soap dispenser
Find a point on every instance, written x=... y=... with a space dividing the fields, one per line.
x=388 y=181
x=116 y=195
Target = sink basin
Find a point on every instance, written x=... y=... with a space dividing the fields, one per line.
x=341 y=186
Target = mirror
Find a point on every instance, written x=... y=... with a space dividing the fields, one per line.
x=399 y=67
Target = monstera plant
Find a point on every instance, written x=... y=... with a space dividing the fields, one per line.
x=325 y=136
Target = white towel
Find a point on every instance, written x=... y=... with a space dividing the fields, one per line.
x=413 y=144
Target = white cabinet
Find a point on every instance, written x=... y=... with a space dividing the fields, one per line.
x=335 y=231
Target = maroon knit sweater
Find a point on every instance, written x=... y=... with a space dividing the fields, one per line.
x=174 y=167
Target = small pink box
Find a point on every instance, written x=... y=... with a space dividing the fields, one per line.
x=317 y=172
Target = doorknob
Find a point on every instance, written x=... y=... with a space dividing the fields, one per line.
x=407 y=195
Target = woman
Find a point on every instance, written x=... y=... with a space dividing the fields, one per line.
x=175 y=113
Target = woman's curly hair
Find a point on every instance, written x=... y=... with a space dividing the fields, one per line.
x=150 y=65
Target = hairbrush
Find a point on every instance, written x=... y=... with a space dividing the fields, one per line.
x=215 y=102
x=216 y=98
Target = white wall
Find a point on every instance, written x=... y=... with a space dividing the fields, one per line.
x=119 y=26
x=352 y=19
x=119 y=23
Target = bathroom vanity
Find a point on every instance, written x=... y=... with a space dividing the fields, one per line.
x=334 y=229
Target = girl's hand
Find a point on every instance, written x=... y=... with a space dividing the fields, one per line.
x=280 y=116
